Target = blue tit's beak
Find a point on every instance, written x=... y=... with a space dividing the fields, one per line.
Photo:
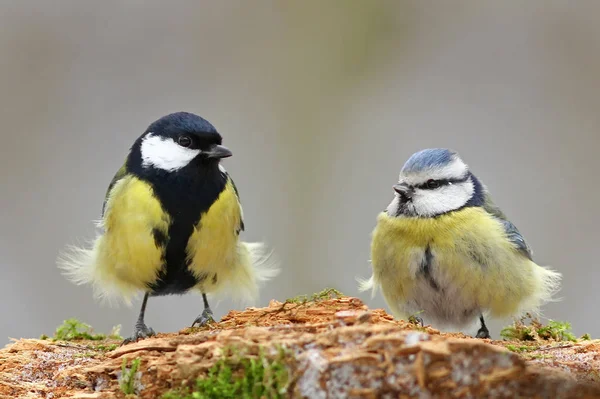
x=217 y=152
x=406 y=192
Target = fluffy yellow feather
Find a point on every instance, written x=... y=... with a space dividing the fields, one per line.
x=474 y=255
x=124 y=258
x=214 y=250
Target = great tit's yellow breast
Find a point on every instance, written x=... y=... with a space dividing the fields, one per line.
x=469 y=250
x=213 y=245
x=127 y=252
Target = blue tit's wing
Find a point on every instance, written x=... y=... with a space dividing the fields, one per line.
x=511 y=230
x=516 y=238
x=118 y=176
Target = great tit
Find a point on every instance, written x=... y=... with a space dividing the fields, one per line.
x=171 y=221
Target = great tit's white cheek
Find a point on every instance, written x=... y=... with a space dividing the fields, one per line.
x=222 y=169
x=164 y=153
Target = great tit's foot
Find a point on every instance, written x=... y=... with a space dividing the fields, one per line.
x=483 y=333
x=205 y=318
x=141 y=331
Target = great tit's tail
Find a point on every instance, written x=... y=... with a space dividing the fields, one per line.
x=255 y=266
x=76 y=263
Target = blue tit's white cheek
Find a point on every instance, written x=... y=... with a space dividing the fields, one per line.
x=164 y=153
x=393 y=207
x=441 y=200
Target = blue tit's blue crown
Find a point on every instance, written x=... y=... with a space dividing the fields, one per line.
x=180 y=122
x=428 y=159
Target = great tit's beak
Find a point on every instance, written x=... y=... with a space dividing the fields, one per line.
x=405 y=191
x=217 y=152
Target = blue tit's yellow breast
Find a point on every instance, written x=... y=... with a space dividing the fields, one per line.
x=469 y=255
x=213 y=245
x=127 y=253
x=444 y=231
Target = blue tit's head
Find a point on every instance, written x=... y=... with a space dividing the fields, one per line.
x=433 y=182
x=176 y=140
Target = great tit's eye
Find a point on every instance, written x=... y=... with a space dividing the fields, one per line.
x=184 y=141
x=432 y=184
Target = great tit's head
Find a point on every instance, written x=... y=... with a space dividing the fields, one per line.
x=176 y=140
x=433 y=182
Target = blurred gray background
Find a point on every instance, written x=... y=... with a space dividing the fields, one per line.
x=321 y=103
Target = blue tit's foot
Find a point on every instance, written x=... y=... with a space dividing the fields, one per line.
x=483 y=332
x=141 y=331
x=416 y=320
x=205 y=318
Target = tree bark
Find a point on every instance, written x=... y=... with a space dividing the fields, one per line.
x=332 y=348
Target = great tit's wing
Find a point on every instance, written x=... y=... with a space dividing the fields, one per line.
x=511 y=230
x=242 y=226
x=118 y=176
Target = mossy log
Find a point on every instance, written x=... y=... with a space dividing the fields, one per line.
x=330 y=348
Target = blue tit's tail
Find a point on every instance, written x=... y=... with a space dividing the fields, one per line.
x=546 y=285
x=365 y=285
x=370 y=284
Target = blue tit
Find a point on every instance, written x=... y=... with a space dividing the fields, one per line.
x=171 y=221
x=442 y=247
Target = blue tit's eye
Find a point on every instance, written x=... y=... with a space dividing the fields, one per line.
x=184 y=141
x=432 y=184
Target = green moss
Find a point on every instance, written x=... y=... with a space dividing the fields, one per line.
x=236 y=376
x=107 y=348
x=517 y=333
x=586 y=337
x=74 y=330
x=521 y=348
x=557 y=330
x=44 y=337
x=327 y=293
x=521 y=330
x=127 y=379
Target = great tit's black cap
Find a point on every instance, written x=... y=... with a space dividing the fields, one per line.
x=183 y=122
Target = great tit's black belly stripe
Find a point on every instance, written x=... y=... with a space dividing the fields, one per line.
x=185 y=195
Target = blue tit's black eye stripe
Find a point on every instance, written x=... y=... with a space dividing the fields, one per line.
x=432 y=184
